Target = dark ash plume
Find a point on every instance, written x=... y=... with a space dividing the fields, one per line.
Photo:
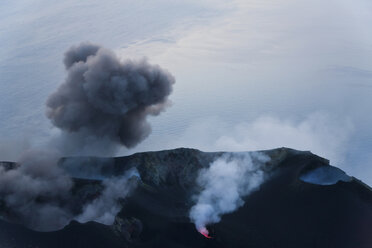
x=106 y=99
x=103 y=103
x=35 y=191
x=37 y=194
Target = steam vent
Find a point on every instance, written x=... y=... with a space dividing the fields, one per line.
x=300 y=201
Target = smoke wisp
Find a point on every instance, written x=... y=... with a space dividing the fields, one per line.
x=104 y=208
x=104 y=102
x=224 y=184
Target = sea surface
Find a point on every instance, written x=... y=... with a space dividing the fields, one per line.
x=249 y=75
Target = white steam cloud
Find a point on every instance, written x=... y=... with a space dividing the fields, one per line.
x=321 y=133
x=224 y=184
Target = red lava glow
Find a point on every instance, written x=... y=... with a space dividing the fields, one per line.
x=205 y=233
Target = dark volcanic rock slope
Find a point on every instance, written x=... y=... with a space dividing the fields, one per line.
x=286 y=212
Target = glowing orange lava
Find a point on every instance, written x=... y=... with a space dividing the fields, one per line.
x=204 y=231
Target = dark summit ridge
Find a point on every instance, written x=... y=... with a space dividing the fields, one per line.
x=290 y=209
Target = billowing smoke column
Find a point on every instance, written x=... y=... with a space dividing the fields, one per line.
x=102 y=105
x=224 y=183
x=104 y=102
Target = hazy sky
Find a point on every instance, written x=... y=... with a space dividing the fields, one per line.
x=250 y=74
